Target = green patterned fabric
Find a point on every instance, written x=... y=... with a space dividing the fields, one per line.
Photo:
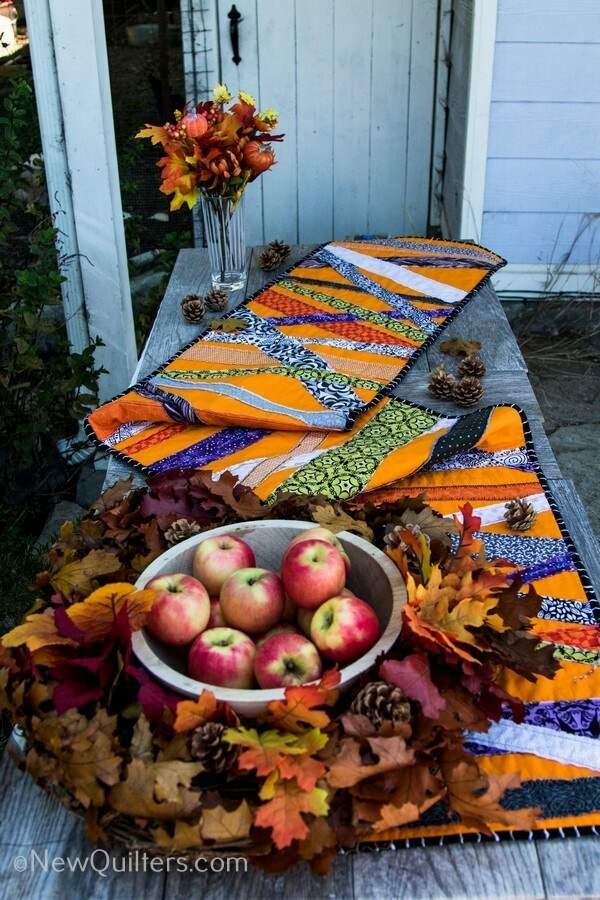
x=344 y=471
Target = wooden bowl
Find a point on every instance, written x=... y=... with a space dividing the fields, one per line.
x=373 y=577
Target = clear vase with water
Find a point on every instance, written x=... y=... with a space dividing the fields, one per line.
x=224 y=231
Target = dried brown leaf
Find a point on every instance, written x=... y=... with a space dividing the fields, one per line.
x=460 y=346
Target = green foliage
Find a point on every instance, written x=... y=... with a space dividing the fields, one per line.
x=45 y=389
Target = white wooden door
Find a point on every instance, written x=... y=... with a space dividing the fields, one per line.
x=353 y=81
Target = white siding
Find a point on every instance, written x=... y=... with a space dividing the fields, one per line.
x=542 y=197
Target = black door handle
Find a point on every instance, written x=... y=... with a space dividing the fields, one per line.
x=235 y=18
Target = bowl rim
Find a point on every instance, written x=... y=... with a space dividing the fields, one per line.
x=190 y=687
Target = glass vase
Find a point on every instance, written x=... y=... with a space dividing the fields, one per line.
x=224 y=231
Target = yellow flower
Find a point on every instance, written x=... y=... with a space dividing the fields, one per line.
x=221 y=93
x=270 y=116
x=247 y=98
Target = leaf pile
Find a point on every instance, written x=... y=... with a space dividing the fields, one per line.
x=310 y=776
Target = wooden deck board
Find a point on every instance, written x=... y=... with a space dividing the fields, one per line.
x=484 y=320
x=506 y=869
x=31 y=823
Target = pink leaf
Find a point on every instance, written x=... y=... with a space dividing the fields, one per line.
x=413 y=677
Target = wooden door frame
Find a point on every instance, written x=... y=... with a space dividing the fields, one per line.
x=479 y=99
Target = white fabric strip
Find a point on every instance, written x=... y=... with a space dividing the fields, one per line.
x=494 y=513
x=570 y=749
x=399 y=274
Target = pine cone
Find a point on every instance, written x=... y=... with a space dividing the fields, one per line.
x=273 y=255
x=193 y=308
x=467 y=391
x=206 y=744
x=381 y=702
x=441 y=383
x=520 y=515
x=181 y=530
x=217 y=300
x=472 y=366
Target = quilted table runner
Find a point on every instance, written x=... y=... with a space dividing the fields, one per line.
x=484 y=458
x=312 y=351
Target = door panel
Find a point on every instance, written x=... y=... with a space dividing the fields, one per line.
x=353 y=81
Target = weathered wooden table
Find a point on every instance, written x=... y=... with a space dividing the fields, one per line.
x=29 y=821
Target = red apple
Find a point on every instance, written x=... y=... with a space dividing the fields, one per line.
x=304 y=618
x=223 y=657
x=217 y=558
x=285 y=660
x=216 y=620
x=180 y=611
x=312 y=572
x=289 y=610
x=253 y=600
x=318 y=533
x=279 y=629
x=344 y=628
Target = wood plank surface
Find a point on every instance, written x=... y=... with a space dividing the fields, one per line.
x=504 y=869
x=483 y=320
x=578 y=524
x=570 y=867
x=36 y=829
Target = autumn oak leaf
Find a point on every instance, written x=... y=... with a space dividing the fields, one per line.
x=271 y=750
x=284 y=809
x=348 y=768
x=298 y=711
x=189 y=714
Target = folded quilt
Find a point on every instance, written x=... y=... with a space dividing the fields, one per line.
x=315 y=349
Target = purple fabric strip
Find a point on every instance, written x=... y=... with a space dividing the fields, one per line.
x=223 y=443
x=573 y=716
x=316 y=318
x=560 y=563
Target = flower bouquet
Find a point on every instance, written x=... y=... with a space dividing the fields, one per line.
x=212 y=153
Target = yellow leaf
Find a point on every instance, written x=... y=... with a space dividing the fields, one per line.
x=37 y=631
x=78 y=576
x=95 y=615
x=220 y=825
x=268 y=750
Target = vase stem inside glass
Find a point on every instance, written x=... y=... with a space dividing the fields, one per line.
x=224 y=230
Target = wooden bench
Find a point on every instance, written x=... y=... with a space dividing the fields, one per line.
x=555 y=868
